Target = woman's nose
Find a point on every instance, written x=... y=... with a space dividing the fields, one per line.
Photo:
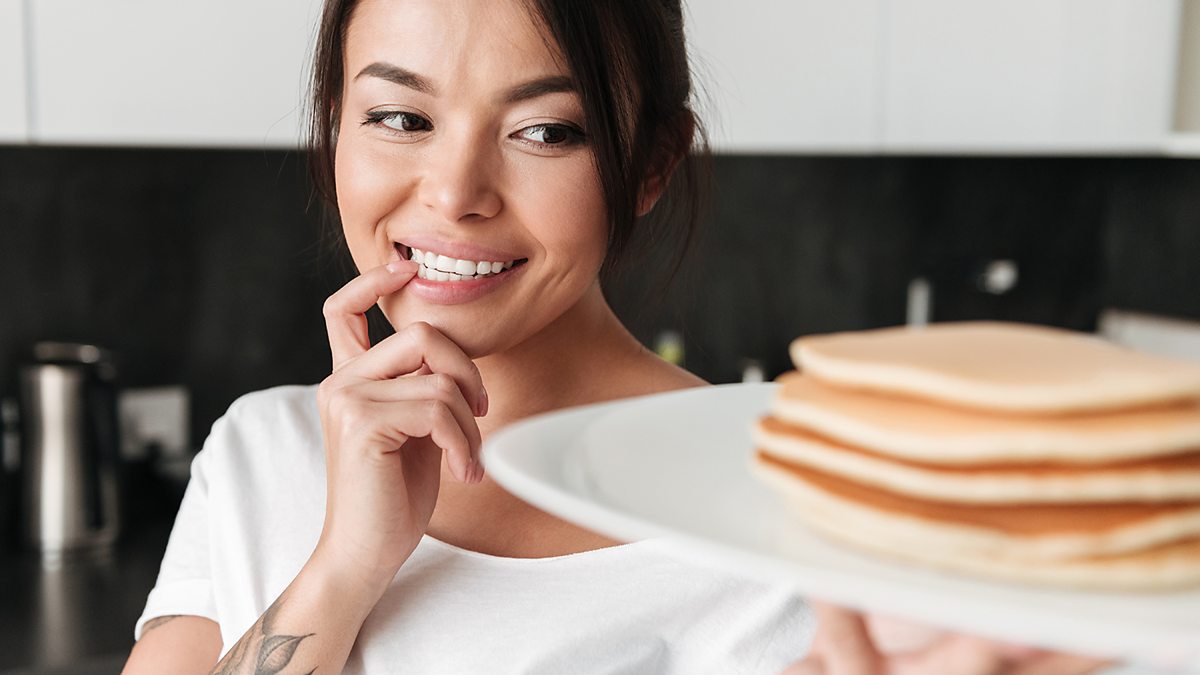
x=461 y=182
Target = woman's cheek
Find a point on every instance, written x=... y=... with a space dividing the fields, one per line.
x=368 y=191
x=353 y=194
x=573 y=203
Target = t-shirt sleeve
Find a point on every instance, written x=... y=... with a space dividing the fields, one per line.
x=184 y=584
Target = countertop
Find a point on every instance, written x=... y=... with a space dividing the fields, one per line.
x=78 y=619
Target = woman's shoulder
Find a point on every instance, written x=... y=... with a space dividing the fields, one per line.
x=269 y=426
x=290 y=403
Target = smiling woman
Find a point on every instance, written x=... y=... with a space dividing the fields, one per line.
x=489 y=163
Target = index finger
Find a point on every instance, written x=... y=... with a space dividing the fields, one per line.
x=842 y=641
x=345 y=310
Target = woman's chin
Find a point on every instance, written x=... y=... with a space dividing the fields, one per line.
x=463 y=331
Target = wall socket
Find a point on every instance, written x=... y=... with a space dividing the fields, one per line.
x=154 y=416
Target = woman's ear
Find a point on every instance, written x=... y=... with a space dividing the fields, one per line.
x=652 y=190
x=673 y=152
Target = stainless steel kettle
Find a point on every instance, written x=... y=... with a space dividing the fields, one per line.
x=69 y=451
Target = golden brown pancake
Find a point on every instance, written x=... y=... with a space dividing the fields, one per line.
x=998 y=366
x=1110 y=546
x=1012 y=451
x=907 y=428
x=1153 y=479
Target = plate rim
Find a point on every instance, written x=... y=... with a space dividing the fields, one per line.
x=503 y=462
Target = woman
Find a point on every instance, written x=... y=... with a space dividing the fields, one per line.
x=488 y=160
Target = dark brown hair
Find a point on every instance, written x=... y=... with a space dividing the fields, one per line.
x=629 y=61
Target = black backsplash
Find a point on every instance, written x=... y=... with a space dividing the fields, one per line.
x=202 y=267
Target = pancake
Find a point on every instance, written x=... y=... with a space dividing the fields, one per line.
x=1155 y=479
x=922 y=431
x=1001 y=367
x=1108 y=546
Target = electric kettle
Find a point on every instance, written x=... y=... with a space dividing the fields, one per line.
x=69 y=451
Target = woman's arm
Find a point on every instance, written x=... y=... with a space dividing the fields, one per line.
x=175 y=644
x=388 y=413
x=310 y=627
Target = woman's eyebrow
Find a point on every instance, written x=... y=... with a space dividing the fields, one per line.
x=541 y=86
x=397 y=75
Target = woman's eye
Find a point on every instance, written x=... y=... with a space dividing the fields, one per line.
x=395 y=120
x=406 y=122
x=551 y=134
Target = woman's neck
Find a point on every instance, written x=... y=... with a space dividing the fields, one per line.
x=585 y=356
x=574 y=360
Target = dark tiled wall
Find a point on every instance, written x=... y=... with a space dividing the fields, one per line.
x=197 y=267
x=203 y=267
x=810 y=244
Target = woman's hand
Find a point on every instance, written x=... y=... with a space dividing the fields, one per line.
x=388 y=413
x=848 y=644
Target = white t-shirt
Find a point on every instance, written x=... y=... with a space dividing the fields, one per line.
x=253 y=511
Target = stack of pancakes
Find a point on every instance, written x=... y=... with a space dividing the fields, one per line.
x=1012 y=451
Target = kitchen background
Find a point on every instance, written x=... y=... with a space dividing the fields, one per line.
x=1031 y=160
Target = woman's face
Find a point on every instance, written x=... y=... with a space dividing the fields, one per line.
x=461 y=135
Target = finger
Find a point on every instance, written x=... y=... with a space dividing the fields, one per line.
x=810 y=666
x=843 y=642
x=418 y=419
x=344 y=310
x=1019 y=653
x=1062 y=664
x=419 y=344
x=436 y=386
x=894 y=635
x=958 y=654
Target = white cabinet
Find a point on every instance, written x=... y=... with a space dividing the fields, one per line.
x=1029 y=75
x=938 y=76
x=787 y=75
x=13 y=105
x=774 y=76
x=147 y=72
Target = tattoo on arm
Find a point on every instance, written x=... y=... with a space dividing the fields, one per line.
x=156 y=622
x=261 y=651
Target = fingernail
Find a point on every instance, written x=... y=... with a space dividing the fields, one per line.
x=481 y=406
x=400 y=265
x=478 y=472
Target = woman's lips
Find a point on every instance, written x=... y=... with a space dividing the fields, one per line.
x=439 y=267
x=465 y=250
x=465 y=289
x=449 y=292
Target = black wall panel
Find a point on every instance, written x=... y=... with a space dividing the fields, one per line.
x=203 y=268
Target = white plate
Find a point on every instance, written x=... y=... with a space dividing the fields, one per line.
x=677 y=465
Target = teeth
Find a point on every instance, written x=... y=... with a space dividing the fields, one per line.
x=444 y=268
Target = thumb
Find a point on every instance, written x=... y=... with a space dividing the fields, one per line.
x=843 y=642
x=810 y=666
